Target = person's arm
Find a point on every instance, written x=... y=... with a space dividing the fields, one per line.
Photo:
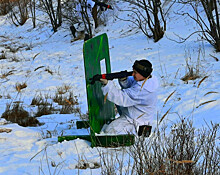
x=126 y=83
x=120 y=97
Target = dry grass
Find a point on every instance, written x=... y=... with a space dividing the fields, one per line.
x=5 y=130
x=193 y=70
x=5 y=7
x=65 y=99
x=68 y=109
x=40 y=100
x=63 y=89
x=6 y=74
x=20 y=86
x=190 y=75
x=3 y=56
x=44 y=110
x=182 y=151
x=17 y=114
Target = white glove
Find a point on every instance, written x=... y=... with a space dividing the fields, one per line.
x=103 y=81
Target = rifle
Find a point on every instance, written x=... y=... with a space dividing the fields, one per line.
x=102 y=4
x=110 y=76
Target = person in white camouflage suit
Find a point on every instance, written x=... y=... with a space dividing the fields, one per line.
x=136 y=100
x=85 y=19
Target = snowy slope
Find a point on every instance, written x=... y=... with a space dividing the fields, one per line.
x=34 y=150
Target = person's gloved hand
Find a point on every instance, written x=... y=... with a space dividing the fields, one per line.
x=103 y=81
x=95 y=78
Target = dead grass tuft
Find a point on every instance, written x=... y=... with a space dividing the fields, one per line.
x=20 y=86
x=67 y=103
x=5 y=7
x=44 y=110
x=3 y=56
x=191 y=75
x=40 y=100
x=6 y=74
x=63 y=89
x=66 y=99
x=69 y=109
x=17 y=114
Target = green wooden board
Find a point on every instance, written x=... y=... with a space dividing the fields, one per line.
x=103 y=140
x=82 y=124
x=94 y=51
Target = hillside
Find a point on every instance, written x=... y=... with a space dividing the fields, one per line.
x=43 y=64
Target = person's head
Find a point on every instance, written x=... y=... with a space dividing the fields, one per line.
x=142 y=69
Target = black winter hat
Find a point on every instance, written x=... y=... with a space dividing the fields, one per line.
x=143 y=67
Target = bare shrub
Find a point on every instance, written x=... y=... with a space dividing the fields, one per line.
x=19 y=13
x=69 y=109
x=53 y=10
x=5 y=7
x=62 y=99
x=17 y=114
x=33 y=12
x=68 y=11
x=206 y=16
x=149 y=17
x=179 y=152
x=66 y=100
x=44 y=110
x=63 y=89
x=210 y=161
x=193 y=71
x=183 y=150
x=40 y=100
x=113 y=163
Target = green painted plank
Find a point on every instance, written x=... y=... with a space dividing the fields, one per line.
x=100 y=112
x=95 y=50
x=82 y=124
x=103 y=140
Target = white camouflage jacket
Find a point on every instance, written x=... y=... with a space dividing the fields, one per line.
x=137 y=103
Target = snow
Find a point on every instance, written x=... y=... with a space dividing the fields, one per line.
x=35 y=150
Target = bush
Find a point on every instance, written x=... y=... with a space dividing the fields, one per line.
x=17 y=114
x=5 y=7
x=184 y=150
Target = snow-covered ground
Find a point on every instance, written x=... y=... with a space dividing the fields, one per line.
x=46 y=61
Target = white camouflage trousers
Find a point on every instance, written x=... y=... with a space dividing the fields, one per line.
x=120 y=125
